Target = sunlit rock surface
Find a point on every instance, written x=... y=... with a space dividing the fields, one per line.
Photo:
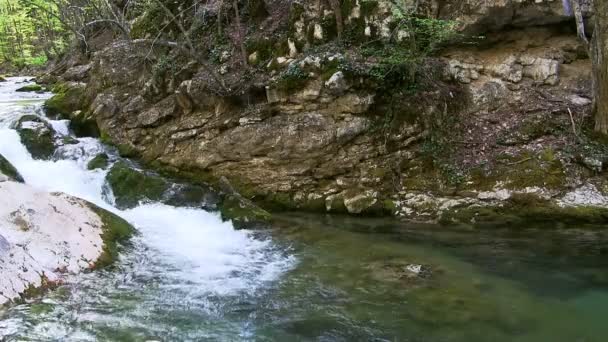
x=42 y=236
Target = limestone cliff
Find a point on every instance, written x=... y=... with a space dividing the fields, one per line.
x=327 y=117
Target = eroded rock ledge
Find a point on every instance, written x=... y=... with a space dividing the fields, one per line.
x=318 y=130
x=44 y=236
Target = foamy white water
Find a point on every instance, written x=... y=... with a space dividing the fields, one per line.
x=183 y=255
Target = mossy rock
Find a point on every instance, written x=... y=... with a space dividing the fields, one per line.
x=68 y=140
x=243 y=213
x=68 y=99
x=100 y=161
x=115 y=231
x=7 y=169
x=83 y=124
x=196 y=196
x=37 y=135
x=30 y=88
x=2 y=79
x=525 y=210
x=130 y=186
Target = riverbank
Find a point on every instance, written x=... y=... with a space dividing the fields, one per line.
x=358 y=126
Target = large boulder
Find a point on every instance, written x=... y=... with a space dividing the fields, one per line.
x=131 y=186
x=45 y=236
x=69 y=97
x=9 y=171
x=37 y=135
x=243 y=213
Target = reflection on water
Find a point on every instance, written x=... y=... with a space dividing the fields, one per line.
x=481 y=285
x=354 y=281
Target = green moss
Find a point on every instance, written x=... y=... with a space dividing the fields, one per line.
x=32 y=291
x=67 y=100
x=41 y=308
x=293 y=78
x=521 y=171
x=7 y=169
x=131 y=186
x=68 y=140
x=115 y=231
x=368 y=7
x=242 y=213
x=127 y=151
x=523 y=210
x=30 y=88
x=39 y=141
x=389 y=206
x=83 y=124
x=99 y=162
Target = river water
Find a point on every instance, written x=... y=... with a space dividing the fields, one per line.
x=188 y=276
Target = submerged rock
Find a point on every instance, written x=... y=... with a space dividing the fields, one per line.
x=30 y=88
x=100 y=161
x=46 y=235
x=524 y=209
x=7 y=169
x=242 y=212
x=131 y=186
x=187 y=195
x=37 y=135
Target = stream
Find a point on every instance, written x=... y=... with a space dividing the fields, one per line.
x=188 y=276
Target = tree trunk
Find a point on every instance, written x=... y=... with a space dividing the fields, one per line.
x=337 y=8
x=599 y=52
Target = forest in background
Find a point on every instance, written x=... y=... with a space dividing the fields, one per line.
x=31 y=32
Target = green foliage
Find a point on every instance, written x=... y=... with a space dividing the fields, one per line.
x=294 y=77
x=29 y=34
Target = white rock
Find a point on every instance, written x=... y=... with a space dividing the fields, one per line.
x=585 y=195
x=43 y=235
x=416 y=269
x=337 y=83
x=579 y=100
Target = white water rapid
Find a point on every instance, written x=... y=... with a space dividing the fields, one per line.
x=186 y=264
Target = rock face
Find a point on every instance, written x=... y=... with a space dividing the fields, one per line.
x=351 y=132
x=46 y=235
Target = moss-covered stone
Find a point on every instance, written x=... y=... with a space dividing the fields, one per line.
x=188 y=195
x=7 y=169
x=83 y=124
x=115 y=231
x=68 y=99
x=100 y=161
x=30 y=88
x=525 y=210
x=68 y=140
x=130 y=186
x=243 y=214
x=241 y=211
x=37 y=135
